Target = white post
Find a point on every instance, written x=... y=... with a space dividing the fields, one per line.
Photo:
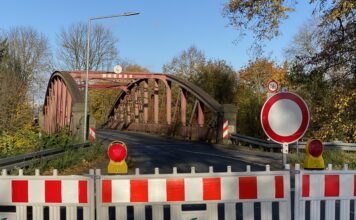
x=285 y=153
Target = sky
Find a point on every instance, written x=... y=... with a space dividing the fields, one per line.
x=162 y=30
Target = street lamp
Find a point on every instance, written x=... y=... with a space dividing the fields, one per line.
x=87 y=72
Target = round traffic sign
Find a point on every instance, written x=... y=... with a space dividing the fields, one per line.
x=285 y=117
x=117 y=69
x=117 y=151
x=272 y=86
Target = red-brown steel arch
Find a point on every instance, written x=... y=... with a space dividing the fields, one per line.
x=203 y=99
x=64 y=105
x=62 y=96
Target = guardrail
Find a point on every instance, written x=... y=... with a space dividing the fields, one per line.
x=235 y=138
x=24 y=160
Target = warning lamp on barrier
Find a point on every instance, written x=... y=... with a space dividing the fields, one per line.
x=314 y=155
x=117 y=152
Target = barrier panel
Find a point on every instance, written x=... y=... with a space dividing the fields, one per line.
x=179 y=189
x=327 y=194
x=39 y=192
x=335 y=189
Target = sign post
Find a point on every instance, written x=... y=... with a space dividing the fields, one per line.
x=285 y=119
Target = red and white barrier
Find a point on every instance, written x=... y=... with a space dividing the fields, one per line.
x=43 y=191
x=328 y=186
x=336 y=189
x=51 y=191
x=193 y=189
x=92 y=133
x=212 y=188
x=117 y=76
x=226 y=129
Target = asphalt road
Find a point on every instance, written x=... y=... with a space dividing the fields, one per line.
x=147 y=152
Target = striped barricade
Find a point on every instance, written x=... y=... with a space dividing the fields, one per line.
x=330 y=187
x=54 y=192
x=179 y=189
x=226 y=129
x=92 y=134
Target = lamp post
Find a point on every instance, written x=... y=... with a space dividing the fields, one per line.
x=87 y=67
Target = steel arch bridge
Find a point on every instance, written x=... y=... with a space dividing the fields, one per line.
x=146 y=102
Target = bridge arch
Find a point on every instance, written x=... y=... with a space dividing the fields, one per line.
x=133 y=108
x=62 y=105
x=204 y=102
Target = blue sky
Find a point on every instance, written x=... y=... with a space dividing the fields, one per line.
x=162 y=30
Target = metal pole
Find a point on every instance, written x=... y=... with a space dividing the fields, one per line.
x=285 y=153
x=86 y=85
x=87 y=67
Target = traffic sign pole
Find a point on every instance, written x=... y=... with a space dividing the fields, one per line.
x=284 y=153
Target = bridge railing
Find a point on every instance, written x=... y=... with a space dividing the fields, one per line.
x=23 y=160
x=235 y=138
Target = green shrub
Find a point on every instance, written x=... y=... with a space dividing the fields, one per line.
x=335 y=157
x=30 y=139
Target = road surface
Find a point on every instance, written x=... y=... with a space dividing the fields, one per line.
x=148 y=151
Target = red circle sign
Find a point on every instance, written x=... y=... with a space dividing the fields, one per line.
x=272 y=86
x=117 y=151
x=285 y=117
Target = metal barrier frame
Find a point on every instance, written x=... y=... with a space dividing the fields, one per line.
x=334 y=187
x=54 y=208
x=319 y=178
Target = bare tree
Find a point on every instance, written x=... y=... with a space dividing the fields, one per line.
x=30 y=53
x=24 y=57
x=72 y=47
x=186 y=65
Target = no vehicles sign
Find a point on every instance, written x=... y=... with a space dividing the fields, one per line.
x=285 y=117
